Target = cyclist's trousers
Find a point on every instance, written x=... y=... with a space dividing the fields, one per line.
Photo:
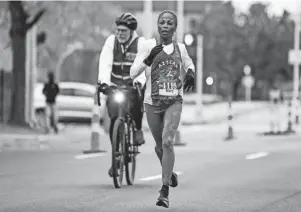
x=136 y=110
x=163 y=122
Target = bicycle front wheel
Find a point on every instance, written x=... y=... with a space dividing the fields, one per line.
x=118 y=152
x=131 y=152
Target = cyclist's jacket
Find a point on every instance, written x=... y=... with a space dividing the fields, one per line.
x=164 y=78
x=51 y=90
x=116 y=60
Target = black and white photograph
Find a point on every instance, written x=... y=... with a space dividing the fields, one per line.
x=151 y=105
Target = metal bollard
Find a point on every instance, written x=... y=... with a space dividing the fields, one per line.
x=95 y=135
x=272 y=118
x=297 y=111
x=230 y=135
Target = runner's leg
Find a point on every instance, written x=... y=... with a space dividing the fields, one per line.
x=155 y=123
x=171 y=122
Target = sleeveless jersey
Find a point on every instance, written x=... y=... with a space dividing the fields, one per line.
x=165 y=76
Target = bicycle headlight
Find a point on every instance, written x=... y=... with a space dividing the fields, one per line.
x=119 y=97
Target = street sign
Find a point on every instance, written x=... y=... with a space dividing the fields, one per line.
x=294 y=56
x=248 y=81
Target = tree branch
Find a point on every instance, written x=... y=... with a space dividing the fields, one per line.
x=35 y=19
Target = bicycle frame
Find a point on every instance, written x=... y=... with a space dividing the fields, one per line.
x=122 y=96
x=124 y=108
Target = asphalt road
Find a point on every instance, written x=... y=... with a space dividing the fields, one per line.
x=250 y=173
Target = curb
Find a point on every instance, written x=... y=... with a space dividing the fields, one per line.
x=24 y=142
x=13 y=142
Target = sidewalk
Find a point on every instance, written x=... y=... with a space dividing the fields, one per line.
x=217 y=113
x=12 y=138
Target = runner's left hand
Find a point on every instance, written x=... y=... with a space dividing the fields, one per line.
x=189 y=80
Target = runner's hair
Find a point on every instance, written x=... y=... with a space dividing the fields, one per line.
x=170 y=12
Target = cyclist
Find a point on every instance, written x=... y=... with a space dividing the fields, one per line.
x=167 y=68
x=116 y=58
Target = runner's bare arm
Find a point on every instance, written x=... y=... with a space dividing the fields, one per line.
x=187 y=61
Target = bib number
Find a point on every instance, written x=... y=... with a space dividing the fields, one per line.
x=168 y=88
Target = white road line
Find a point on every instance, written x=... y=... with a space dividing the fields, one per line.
x=256 y=155
x=156 y=177
x=79 y=157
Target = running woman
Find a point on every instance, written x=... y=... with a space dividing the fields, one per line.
x=167 y=67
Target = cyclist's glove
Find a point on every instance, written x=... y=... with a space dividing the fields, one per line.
x=138 y=84
x=104 y=88
x=189 y=80
x=156 y=50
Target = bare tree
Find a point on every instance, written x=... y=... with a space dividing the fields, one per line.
x=21 y=22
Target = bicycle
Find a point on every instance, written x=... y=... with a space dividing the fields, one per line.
x=124 y=151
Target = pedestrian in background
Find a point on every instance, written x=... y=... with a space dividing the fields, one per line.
x=51 y=90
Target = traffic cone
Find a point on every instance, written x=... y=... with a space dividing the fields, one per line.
x=95 y=135
x=230 y=135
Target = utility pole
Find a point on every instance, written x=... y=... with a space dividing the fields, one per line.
x=180 y=13
x=147 y=14
x=295 y=60
x=199 y=76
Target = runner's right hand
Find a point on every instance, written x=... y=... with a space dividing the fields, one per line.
x=156 y=50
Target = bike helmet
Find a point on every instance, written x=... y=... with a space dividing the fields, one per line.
x=128 y=20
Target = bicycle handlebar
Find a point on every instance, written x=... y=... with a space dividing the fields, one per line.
x=100 y=90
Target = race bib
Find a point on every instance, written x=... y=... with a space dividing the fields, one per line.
x=168 y=88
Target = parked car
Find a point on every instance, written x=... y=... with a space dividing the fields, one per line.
x=75 y=100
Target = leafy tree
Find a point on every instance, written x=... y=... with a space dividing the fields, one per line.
x=224 y=45
x=234 y=40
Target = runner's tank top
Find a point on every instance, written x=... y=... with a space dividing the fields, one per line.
x=165 y=76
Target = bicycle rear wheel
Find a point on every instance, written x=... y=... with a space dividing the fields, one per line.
x=130 y=159
x=118 y=152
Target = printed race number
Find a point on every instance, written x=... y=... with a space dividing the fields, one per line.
x=168 y=88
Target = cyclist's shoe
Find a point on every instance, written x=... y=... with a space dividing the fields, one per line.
x=139 y=138
x=110 y=172
x=163 y=198
x=174 y=180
